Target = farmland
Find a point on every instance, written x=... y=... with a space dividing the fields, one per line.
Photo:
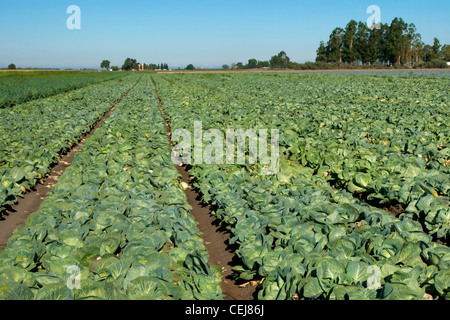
x=363 y=189
x=21 y=86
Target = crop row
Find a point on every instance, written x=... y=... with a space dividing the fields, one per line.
x=35 y=134
x=119 y=214
x=302 y=237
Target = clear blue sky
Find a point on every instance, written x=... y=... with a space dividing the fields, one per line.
x=207 y=33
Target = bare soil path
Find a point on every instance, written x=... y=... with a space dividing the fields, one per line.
x=215 y=237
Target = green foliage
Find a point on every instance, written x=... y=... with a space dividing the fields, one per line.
x=304 y=231
x=105 y=64
x=56 y=123
x=446 y=52
x=396 y=44
x=130 y=64
x=119 y=212
x=21 y=87
x=435 y=63
x=280 y=61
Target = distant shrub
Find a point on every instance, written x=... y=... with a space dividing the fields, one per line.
x=435 y=63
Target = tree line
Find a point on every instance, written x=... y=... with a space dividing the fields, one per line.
x=279 y=61
x=132 y=64
x=397 y=44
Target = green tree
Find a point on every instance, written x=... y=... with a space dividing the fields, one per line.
x=396 y=41
x=427 y=53
x=130 y=64
x=190 y=67
x=446 y=52
x=362 y=43
x=252 y=64
x=275 y=62
x=263 y=64
x=322 y=53
x=349 y=54
x=437 y=53
x=225 y=67
x=12 y=66
x=281 y=61
x=371 y=51
x=105 y=64
x=382 y=48
x=416 y=44
x=115 y=68
x=284 y=59
x=334 y=46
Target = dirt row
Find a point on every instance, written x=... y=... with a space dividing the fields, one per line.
x=216 y=238
x=16 y=216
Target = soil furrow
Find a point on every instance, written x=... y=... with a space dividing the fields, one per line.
x=16 y=216
x=216 y=238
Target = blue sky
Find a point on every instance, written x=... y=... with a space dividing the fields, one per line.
x=206 y=33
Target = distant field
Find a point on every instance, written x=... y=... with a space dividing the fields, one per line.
x=429 y=73
x=17 y=87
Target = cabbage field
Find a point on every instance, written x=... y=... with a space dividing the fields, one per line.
x=18 y=87
x=360 y=208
